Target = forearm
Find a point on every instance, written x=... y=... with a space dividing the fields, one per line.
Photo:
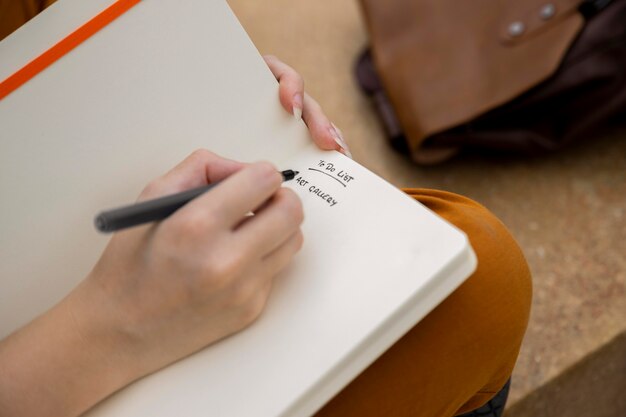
x=56 y=367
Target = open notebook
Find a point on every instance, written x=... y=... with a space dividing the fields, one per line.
x=165 y=78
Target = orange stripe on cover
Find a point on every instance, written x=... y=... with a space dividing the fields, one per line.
x=66 y=45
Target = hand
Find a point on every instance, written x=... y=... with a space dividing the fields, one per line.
x=203 y=273
x=159 y=292
x=293 y=98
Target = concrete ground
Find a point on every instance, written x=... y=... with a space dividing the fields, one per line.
x=567 y=210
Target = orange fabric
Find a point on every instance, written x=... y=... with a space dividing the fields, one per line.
x=64 y=46
x=464 y=351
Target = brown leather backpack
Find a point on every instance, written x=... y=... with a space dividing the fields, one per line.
x=523 y=76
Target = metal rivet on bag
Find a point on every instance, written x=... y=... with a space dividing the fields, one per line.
x=516 y=29
x=547 y=11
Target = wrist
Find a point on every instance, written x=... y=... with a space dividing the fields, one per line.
x=100 y=330
x=64 y=361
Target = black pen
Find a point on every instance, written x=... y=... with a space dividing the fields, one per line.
x=154 y=210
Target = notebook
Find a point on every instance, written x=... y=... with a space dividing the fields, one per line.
x=133 y=99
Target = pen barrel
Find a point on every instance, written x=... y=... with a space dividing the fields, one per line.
x=154 y=210
x=147 y=211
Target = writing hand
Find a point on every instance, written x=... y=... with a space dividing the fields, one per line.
x=159 y=292
x=203 y=273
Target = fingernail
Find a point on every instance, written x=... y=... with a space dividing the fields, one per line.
x=338 y=136
x=346 y=153
x=297 y=106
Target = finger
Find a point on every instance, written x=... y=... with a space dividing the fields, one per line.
x=324 y=133
x=271 y=226
x=341 y=141
x=254 y=296
x=281 y=257
x=200 y=168
x=291 y=85
x=229 y=202
x=272 y=264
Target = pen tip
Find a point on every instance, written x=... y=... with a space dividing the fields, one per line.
x=289 y=174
